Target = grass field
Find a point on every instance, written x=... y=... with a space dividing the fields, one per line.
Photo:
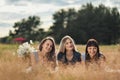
x=12 y=68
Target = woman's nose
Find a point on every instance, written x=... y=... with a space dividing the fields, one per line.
x=92 y=50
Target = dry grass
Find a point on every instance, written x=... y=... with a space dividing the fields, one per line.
x=12 y=68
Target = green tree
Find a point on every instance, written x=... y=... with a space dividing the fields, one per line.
x=57 y=29
x=27 y=28
x=100 y=22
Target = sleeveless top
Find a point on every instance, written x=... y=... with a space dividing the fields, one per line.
x=49 y=64
x=36 y=56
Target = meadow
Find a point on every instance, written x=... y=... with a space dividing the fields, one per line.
x=13 y=68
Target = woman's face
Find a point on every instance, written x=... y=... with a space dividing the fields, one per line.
x=69 y=45
x=47 y=46
x=92 y=50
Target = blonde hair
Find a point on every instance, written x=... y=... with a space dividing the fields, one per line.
x=62 y=44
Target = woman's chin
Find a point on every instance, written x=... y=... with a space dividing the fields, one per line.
x=92 y=55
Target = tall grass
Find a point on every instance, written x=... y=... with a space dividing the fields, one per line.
x=13 y=68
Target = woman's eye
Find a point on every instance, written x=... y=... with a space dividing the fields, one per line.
x=67 y=43
x=95 y=48
x=89 y=48
x=51 y=46
x=47 y=44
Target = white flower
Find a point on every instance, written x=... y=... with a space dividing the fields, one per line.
x=31 y=42
x=25 y=49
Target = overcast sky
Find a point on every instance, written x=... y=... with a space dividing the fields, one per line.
x=12 y=11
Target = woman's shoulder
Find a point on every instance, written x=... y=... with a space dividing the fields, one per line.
x=77 y=53
x=83 y=56
x=77 y=56
x=102 y=56
x=60 y=55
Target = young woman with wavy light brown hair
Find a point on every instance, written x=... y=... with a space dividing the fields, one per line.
x=46 y=55
x=67 y=53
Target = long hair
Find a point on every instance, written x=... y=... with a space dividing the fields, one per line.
x=62 y=44
x=92 y=42
x=50 y=55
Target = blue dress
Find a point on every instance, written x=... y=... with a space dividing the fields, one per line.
x=62 y=58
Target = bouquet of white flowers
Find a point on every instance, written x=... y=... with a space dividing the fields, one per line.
x=25 y=49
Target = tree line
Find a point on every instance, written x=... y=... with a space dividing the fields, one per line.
x=99 y=22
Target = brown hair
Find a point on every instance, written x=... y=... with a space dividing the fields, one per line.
x=51 y=55
x=92 y=42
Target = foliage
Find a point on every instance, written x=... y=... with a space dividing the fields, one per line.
x=101 y=23
x=28 y=28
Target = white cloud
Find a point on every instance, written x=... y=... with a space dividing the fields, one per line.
x=70 y=1
x=4 y=31
x=12 y=11
x=2 y=2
